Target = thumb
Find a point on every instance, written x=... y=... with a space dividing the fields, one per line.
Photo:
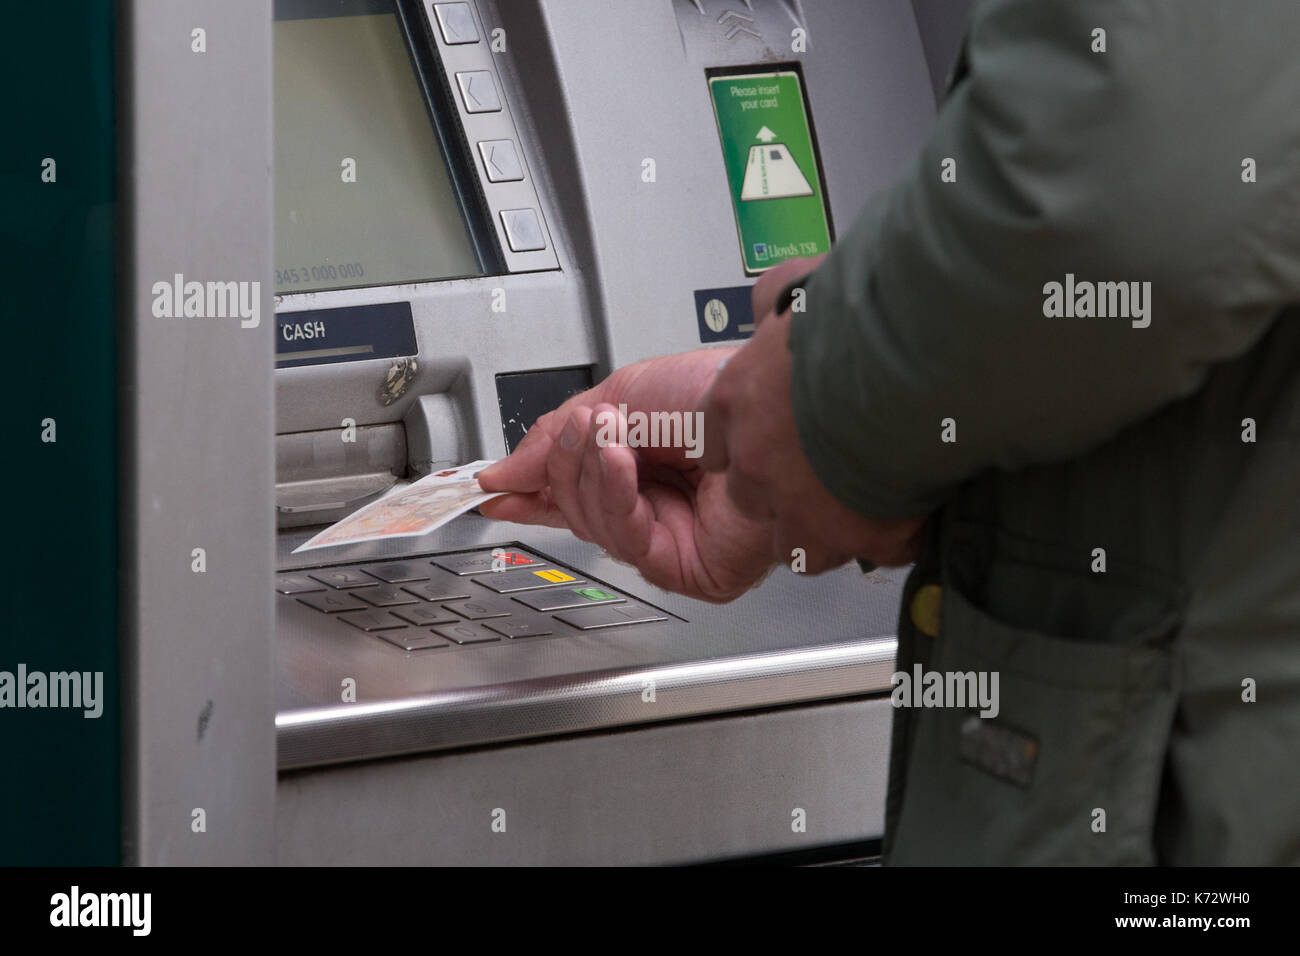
x=774 y=281
x=525 y=468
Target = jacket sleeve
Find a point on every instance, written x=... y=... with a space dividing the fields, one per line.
x=1116 y=166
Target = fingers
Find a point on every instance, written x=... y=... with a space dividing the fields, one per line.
x=564 y=470
x=524 y=509
x=525 y=468
x=591 y=487
x=608 y=489
x=713 y=447
x=773 y=282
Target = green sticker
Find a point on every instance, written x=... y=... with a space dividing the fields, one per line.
x=594 y=594
x=767 y=147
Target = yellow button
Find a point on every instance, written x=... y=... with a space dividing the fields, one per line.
x=555 y=576
x=925 y=609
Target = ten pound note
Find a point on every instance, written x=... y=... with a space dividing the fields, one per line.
x=416 y=509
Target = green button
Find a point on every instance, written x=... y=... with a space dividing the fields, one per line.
x=595 y=594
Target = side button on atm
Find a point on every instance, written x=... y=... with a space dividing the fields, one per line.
x=523 y=230
x=478 y=92
x=501 y=161
x=456 y=23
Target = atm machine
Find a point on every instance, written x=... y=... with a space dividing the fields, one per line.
x=460 y=214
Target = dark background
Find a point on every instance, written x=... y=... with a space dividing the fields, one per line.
x=59 y=776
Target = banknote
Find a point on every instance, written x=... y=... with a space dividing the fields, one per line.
x=411 y=510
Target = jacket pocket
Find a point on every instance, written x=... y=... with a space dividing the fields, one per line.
x=1065 y=767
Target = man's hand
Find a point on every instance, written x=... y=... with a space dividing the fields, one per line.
x=651 y=507
x=708 y=527
x=751 y=438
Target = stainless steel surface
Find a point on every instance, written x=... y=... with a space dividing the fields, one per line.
x=197 y=423
x=523 y=230
x=708 y=789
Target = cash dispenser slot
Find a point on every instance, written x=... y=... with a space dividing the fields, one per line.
x=320 y=476
x=324 y=475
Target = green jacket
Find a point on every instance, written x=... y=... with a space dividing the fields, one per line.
x=1171 y=158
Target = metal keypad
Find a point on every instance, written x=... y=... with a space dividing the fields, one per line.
x=414 y=640
x=296 y=584
x=466 y=633
x=373 y=621
x=332 y=603
x=485 y=597
x=477 y=610
x=345 y=578
x=560 y=599
x=514 y=629
x=610 y=615
x=386 y=595
x=482 y=562
x=399 y=572
x=525 y=579
x=438 y=591
x=426 y=615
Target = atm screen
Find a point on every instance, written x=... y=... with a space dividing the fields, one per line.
x=363 y=194
x=772 y=165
